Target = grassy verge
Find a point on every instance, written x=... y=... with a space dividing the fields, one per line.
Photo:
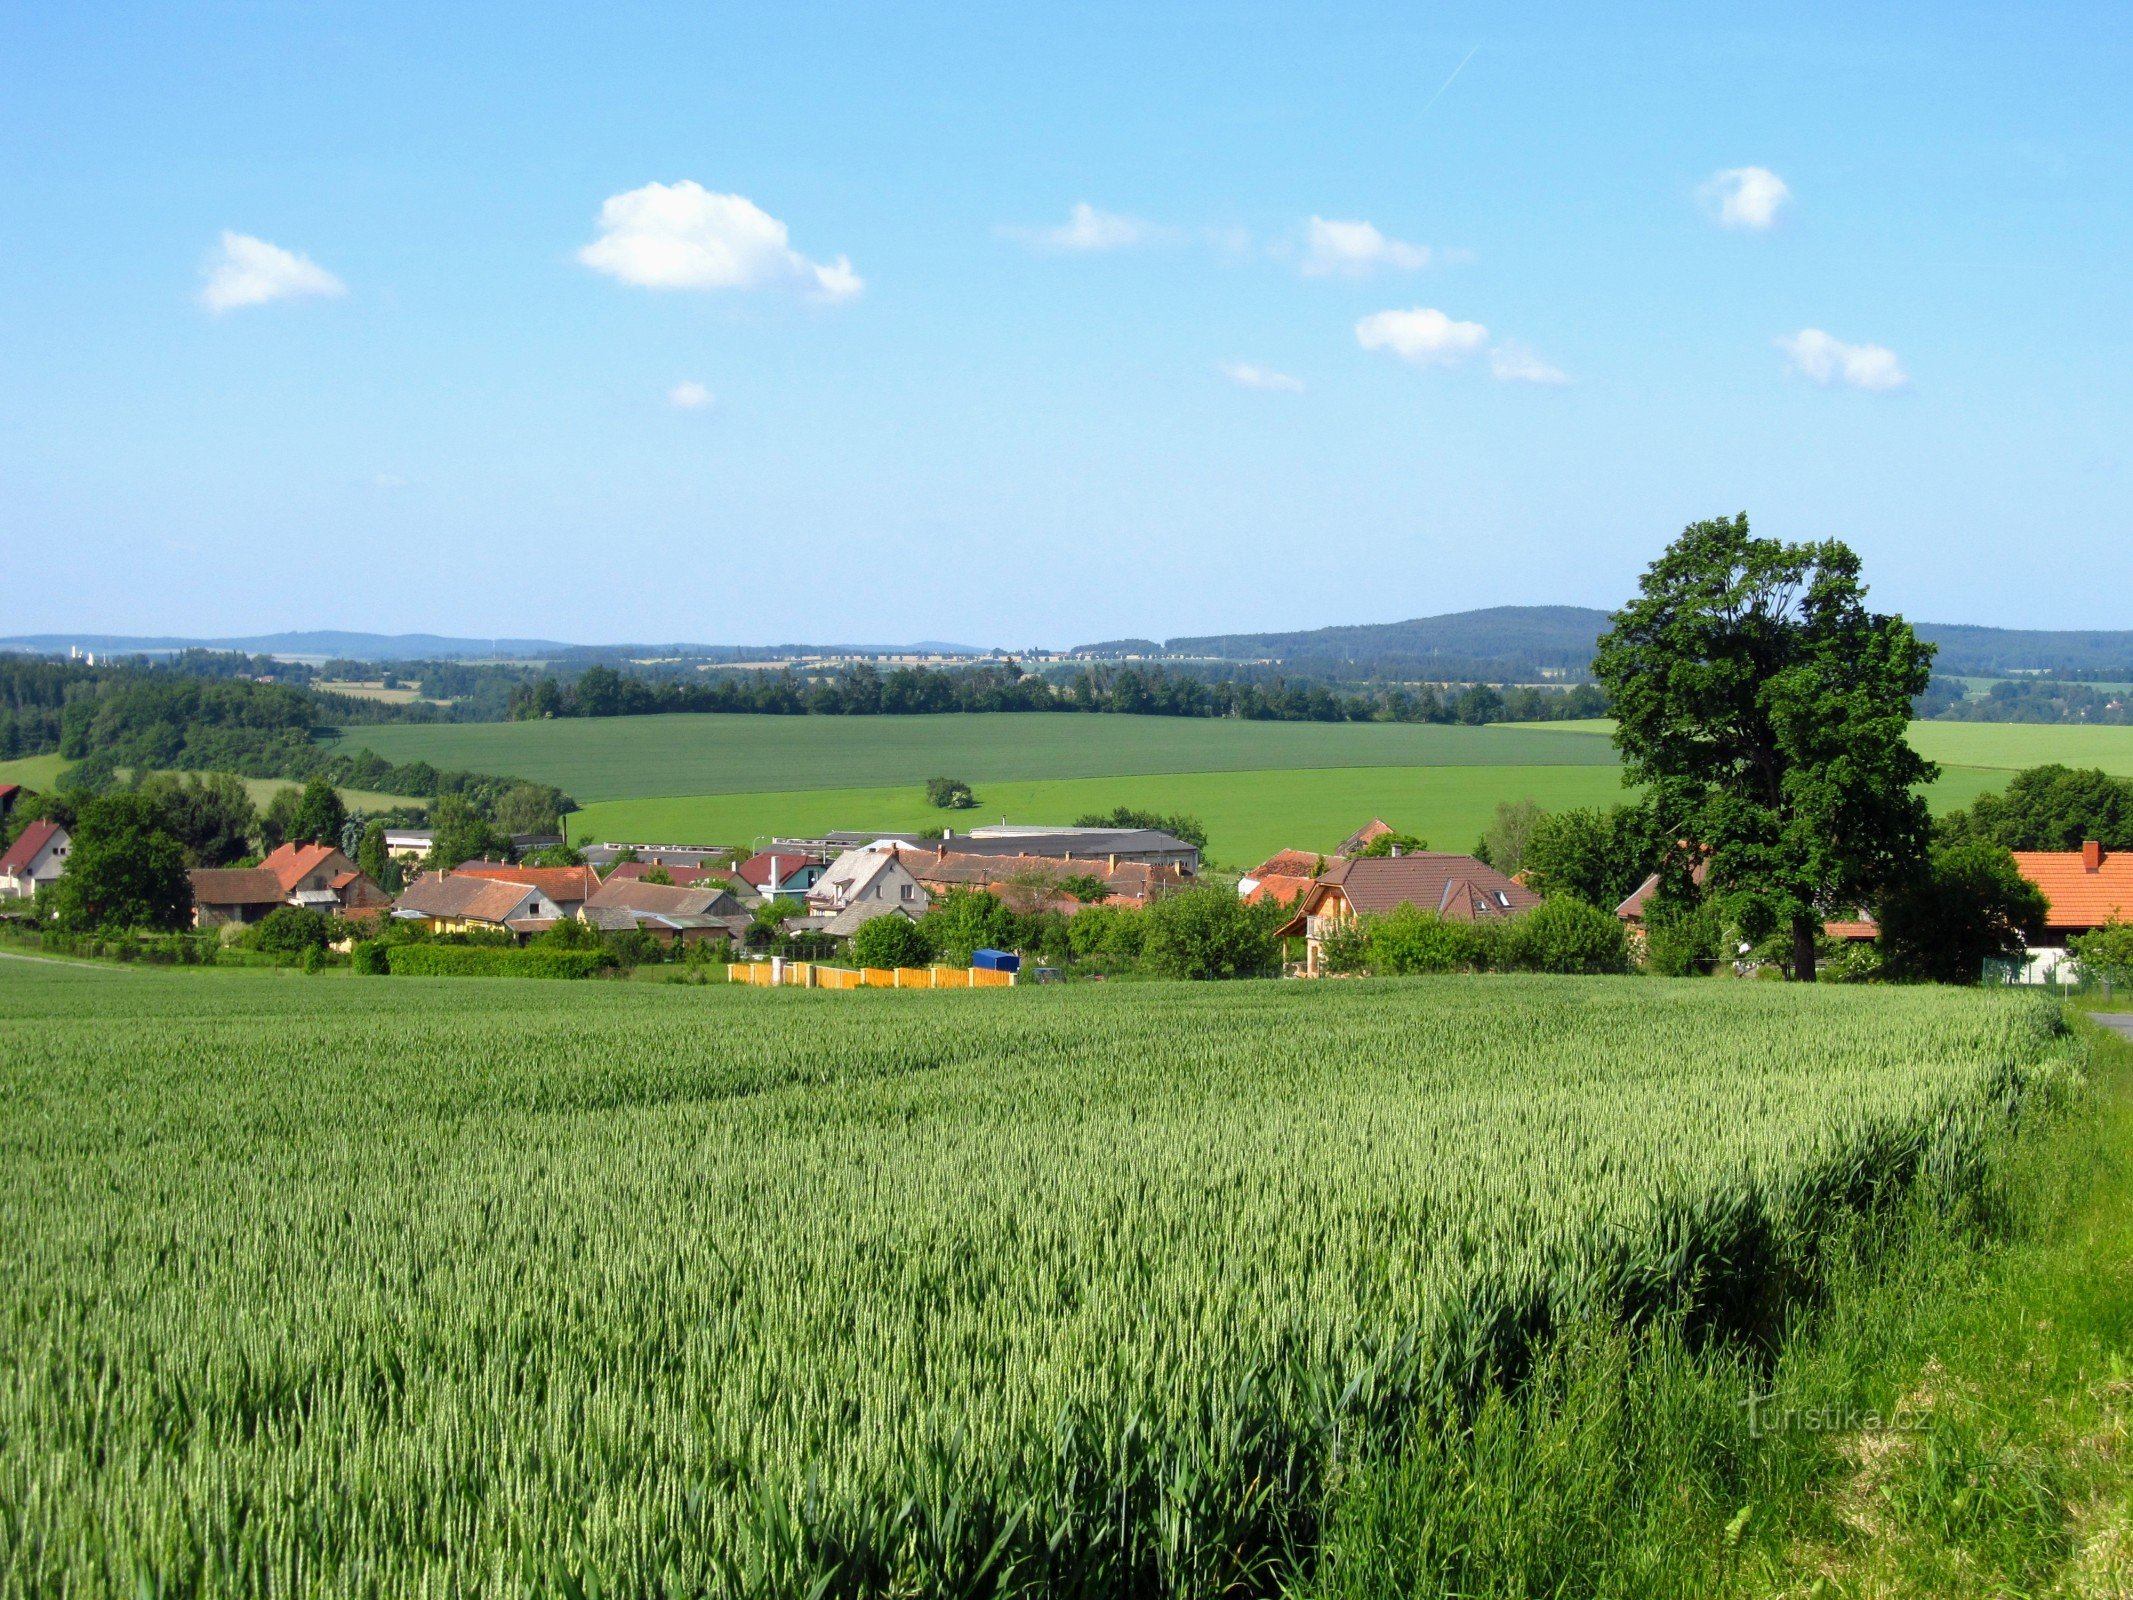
x=1953 y=1420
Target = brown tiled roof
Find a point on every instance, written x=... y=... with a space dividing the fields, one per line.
x=2081 y=896
x=1129 y=879
x=566 y=886
x=630 y=894
x=439 y=894
x=236 y=886
x=1457 y=888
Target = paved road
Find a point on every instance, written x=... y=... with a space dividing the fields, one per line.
x=2122 y=1021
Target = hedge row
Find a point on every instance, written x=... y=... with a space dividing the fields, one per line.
x=485 y=961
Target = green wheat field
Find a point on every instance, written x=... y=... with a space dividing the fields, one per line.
x=362 y=1287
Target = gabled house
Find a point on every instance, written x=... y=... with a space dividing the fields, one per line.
x=446 y=902
x=319 y=878
x=771 y=873
x=223 y=896
x=37 y=857
x=870 y=877
x=409 y=844
x=1456 y=888
x=2087 y=888
x=666 y=910
x=568 y=887
x=1283 y=876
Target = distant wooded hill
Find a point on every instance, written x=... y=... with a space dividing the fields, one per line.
x=1527 y=641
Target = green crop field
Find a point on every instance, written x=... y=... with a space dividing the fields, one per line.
x=380 y=1287
x=1259 y=786
x=42 y=772
x=617 y=758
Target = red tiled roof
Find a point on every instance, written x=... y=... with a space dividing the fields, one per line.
x=1280 y=887
x=1288 y=864
x=2081 y=897
x=291 y=862
x=755 y=871
x=34 y=838
x=1859 y=928
x=454 y=896
x=566 y=886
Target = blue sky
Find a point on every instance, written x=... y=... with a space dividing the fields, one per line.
x=371 y=316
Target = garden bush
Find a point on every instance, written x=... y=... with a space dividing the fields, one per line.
x=476 y=961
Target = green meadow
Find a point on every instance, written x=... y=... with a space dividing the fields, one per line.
x=42 y=772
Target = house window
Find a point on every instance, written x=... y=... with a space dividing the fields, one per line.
x=907 y=891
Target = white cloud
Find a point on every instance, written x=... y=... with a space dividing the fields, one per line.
x=684 y=236
x=1745 y=197
x=688 y=395
x=246 y=271
x=1512 y=362
x=1088 y=230
x=1826 y=359
x=1246 y=376
x=1355 y=250
x=1423 y=336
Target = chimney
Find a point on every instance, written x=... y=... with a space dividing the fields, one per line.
x=2091 y=855
x=770 y=888
x=1114 y=863
x=1396 y=852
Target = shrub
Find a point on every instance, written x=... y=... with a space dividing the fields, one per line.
x=1345 y=947
x=290 y=931
x=1206 y=932
x=1113 y=931
x=890 y=941
x=2106 y=952
x=950 y=794
x=475 y=961
x=1408 y=939
x=1682 y=940
x=368 y=959
x=1564 y=935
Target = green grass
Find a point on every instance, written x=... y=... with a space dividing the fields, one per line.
x=33 y=772
x=385 y=1286
x=617 y=758
x=1950 y=1422
x=2006 y=746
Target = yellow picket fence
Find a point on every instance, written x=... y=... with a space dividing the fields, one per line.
x=818 y=975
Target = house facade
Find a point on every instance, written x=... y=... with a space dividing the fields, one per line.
x=320 y=878
x=233 y=896
x=869 y=877
x=2087 y=888
x=34 y=859
x=771 y=873
x=568 y=887
x=445 y=902
x=1454 y=887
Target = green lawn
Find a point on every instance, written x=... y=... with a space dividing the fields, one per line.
x=615 y=758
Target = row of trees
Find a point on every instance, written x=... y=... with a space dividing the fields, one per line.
x=862 y=690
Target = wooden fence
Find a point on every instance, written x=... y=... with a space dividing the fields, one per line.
x=820 y=975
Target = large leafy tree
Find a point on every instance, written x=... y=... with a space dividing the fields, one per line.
x=2050 y=808
x=319 y=815
x=1967 y=904
x=124 y=871
x=1764 y=708
x=210 y=814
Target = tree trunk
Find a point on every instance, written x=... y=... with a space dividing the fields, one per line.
x=1804 y=930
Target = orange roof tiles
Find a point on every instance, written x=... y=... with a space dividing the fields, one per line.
x=2082 y=896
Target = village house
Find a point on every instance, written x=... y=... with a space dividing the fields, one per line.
x=568 y=887
x=2088 y=888
x=447 y=902
x=666 y=911
x=35 y=859
x=1282 y=877
x=866 y=883
x=319 y=878
x=1029 y=883
x=239 y=896
x=409 y=844
x=671 y=856
x=1454 y=887
x=1079 y=847
x=774 y=872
